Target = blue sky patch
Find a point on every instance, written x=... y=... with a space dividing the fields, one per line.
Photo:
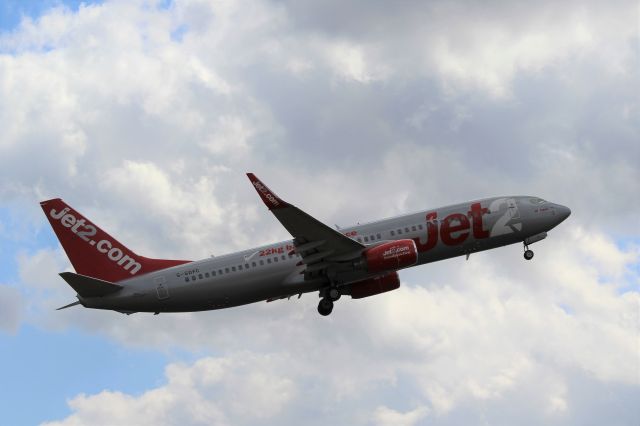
x=17 y=235
x=12 y=11
x=41 y=370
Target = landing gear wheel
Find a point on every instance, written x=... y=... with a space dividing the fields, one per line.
x=528 y=254
x=325 y=306
x=334 y=294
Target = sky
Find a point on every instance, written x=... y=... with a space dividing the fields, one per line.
x=145 y=116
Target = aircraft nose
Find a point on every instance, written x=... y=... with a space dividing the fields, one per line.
x=563 y=212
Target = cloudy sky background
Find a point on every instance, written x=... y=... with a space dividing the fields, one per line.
x=145 y=115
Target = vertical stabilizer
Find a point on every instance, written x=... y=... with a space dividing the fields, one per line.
x=93 y=252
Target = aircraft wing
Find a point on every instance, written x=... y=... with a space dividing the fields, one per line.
x=315 y=242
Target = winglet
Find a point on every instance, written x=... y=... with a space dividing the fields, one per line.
x=268 y=196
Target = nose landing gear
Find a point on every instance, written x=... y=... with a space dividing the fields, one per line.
x=528 y=254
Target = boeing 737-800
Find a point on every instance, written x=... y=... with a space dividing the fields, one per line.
x=360 y=261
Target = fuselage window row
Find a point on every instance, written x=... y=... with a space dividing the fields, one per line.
x=246 y=266
x=261 y=262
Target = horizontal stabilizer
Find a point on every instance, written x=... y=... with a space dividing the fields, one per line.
x=89 y=287
x=77 y=302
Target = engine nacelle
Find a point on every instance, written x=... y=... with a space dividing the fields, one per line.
x=377 y=285
x=391 y=256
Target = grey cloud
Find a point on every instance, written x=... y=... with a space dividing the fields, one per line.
x=156 y=110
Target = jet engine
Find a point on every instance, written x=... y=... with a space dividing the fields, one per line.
x=391 y=256
x=377 y=285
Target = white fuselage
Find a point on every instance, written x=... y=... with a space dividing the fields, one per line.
x=275 y=271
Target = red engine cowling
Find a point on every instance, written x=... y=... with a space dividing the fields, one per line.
x=391 y=256
x=377 y=285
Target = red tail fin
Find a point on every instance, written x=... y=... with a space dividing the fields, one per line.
x=92 y=251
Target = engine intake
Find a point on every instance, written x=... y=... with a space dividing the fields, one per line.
x=373 y=286
x=391 y=256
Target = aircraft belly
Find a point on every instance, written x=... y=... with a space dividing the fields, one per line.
x=217 y=293
x=472 y=245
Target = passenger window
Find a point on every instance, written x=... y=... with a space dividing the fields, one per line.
x=268 y=260
x=246 y=266
x=186 y=279
x=239 y=267
x=393 y=233
x=219 y=271
x=199 y=276
x=213 y=273
x=399 y=231
x=359 y=239
x=275 y=259
x=284 y=257
x=366 y=239
x=233 y=269
x=193 y=277
x=406 y=230
x=413 y=228
x=420 y=227
x=253 y=264
x=379 y=236
x=206 y=275
x=226 y=270
x=261 y=262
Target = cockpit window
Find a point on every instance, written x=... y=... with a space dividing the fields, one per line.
x=537 y=201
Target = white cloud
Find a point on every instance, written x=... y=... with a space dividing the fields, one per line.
x=516 y=329
x=238 y=389
x=387 y=416
x=350 y=62
x=231 y=136
x=486 y=55
x=36 y=269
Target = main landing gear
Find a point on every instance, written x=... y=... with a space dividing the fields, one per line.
x=330 y=295
x=528 y=254
x=325 y=306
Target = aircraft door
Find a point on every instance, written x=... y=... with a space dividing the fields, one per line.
x=162 y=290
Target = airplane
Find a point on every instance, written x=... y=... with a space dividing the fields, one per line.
x=359 y=261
